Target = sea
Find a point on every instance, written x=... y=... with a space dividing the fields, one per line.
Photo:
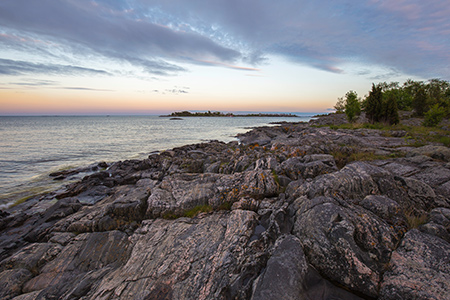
x=32 y=147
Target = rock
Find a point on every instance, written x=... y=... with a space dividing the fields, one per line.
x=181 y=192
x=436 y=152
x=438 y=223
x=258 y=137
x=169 y=254
x=419 y=269
x=355 y=180
x=285 y=272
x=348 y=245
x=274 y=218
x=246 y=203
x=11 y=282
x=88 y=252
x=288 y=276
x=126 y=206
x=32 y=257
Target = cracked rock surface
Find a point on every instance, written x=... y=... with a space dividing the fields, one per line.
x=278 y=216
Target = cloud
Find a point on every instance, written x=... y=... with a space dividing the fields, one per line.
x=35 y=82
x=84 y=89
x=159 y=37
x=107 y=33
x=326 y=35
x=176 y=91
x=15 y=67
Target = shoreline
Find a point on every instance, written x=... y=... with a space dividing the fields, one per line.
x=337 y=211
x=33 y=176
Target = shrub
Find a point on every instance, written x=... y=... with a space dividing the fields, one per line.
x=434 y=116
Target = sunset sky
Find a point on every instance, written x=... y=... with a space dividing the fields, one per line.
x=151 y=57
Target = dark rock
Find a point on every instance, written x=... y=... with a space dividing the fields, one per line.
x=11 y=282
x=88 y=252
x=288 y=276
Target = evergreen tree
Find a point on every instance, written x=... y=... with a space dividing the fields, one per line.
x=352 y=106
x=340 y=105
x=391 y=110
x=420 y=101
x=374 y=105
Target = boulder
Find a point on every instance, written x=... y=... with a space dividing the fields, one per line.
x=289 y=276
x=346 y=244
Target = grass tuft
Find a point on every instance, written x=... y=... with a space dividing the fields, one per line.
x=416 y=219
x=197 y=210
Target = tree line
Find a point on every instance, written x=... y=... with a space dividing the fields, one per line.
x=430 y=99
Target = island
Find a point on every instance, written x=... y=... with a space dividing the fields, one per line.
x=221 y=114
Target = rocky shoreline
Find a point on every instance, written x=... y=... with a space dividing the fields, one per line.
x=280 y=215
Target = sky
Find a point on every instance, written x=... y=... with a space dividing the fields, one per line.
x=154 y=56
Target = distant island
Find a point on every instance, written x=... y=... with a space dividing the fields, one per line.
x=221 y=114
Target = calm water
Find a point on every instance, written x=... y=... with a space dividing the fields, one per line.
x=33 y=147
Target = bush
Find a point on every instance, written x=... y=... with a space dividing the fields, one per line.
x=434 y=116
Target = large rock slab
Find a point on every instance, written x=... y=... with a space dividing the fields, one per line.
x=87 y=253
x=419 y=269
x=181 y=192
x=202 y=258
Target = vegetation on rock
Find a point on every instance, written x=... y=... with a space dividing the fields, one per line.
x=385 y=99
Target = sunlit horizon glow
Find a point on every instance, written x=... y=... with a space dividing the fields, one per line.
x=154 y=57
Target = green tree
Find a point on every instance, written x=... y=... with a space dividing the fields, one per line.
x=437 y=89
x=352 y=106
x=420 y=101
x=390 y=111
x=340 y=105
x=374 y=104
